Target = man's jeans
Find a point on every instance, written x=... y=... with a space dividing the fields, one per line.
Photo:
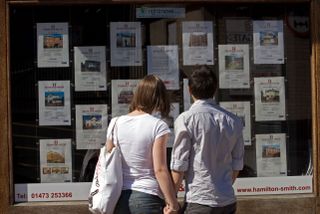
x=135 y=202
x=203 y=209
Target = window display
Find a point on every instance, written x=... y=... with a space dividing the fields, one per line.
x=69 y=77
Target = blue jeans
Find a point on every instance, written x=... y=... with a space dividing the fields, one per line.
x=203 y=209
x=135 y=202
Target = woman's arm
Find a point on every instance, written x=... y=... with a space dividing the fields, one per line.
x=162 y=173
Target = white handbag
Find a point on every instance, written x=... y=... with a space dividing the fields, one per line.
x=107 y=182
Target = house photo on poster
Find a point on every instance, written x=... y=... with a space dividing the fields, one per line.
x=54 y=103
x=90 y=68
x=125 y=43
x=52 y=45
x=91 y=126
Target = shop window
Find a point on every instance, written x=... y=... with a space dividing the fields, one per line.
x=71 y=73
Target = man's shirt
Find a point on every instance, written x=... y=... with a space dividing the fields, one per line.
x=208 y=147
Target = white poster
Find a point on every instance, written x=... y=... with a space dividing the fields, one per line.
x=91 y=126
x=268 y=42
x=163 y=62
x=271 y=155
x=174 y=113
x=90 y=68
x=54 y=103
x=53 y=45
x=55 y=160
x=197 y=38
x=234 y=66
x=242 y=110
x=122 y=94
x=187 y=99
x=269 y=98
x=125 y=43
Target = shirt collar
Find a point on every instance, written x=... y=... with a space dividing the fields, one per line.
x=209 y=101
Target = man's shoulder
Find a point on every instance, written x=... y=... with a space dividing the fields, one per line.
x=229 y=116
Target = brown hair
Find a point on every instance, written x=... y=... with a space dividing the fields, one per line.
x=151 y=95
x=203 y=83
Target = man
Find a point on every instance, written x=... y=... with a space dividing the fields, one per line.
x=208 y=149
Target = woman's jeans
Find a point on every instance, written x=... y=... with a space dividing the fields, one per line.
x=135 y=202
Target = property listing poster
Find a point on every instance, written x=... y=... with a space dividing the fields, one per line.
x=53 y=45
x=242 y=110
x=90 y=68
x=269 y=98
x=91 y=126
x=163 y=62
x=174 y=113
x=122 y=94
x=187 y=99
x=55 y=160
x=125 y=43
x=54 y=103
x=271 y=155
x=197 y=38
x=268 y=42
x=234 y=66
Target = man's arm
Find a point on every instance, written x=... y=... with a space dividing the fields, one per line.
x=177 y=179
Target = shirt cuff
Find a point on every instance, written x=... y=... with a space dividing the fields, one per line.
x=237 y=165
x=179 y=165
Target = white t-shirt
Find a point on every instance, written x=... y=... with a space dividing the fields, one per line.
x=136 y=135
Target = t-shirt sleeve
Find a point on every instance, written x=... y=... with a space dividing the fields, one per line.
x=161 y=129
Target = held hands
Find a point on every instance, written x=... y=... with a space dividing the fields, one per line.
x=171 y=210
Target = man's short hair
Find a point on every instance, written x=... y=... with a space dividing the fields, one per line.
x=203 y=83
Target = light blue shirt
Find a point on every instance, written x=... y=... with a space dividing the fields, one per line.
x=208 y=146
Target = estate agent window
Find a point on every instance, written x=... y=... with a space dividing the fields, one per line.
x=71 y=73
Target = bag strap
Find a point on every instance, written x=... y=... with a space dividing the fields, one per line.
x=112 y=136
x=112 y=133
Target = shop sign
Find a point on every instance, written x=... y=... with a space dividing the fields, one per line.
x=52 y=192
x=273 y=185
x=160 y=12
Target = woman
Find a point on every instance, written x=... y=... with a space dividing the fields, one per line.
x=142 y=139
